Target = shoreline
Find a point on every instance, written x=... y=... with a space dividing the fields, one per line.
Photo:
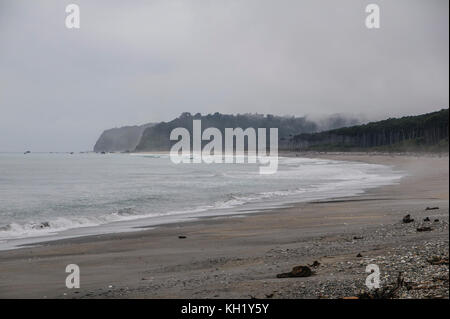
x=190 y=215
x=224 y=257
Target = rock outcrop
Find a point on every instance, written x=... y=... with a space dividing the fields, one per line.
x=122 y=139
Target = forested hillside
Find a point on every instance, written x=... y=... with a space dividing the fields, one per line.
x=156 y=138
x=427 y=132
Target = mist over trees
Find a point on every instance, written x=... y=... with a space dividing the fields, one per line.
x=427 y=132
x=156 y=138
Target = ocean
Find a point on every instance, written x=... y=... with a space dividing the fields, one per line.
x=52 y=196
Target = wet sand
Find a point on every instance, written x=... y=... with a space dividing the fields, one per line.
x=239 y=257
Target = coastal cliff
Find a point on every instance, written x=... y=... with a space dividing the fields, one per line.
x=120 y=139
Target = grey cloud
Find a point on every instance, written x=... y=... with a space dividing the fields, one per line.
x=146 y=61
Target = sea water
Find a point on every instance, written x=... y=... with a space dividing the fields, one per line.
x=51 y=196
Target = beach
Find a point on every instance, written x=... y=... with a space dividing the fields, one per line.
x=237 y=256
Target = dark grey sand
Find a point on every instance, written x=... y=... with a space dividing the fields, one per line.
x=239 y=257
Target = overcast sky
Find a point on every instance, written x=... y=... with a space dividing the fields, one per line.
x=134 y=62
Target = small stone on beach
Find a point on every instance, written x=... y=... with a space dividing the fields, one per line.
x=438 y=260
x=298 y=271
x=407 y=219
x=425 y=228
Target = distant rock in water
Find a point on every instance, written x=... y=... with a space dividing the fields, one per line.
x=122 y=139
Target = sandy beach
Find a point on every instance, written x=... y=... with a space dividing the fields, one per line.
x=239 y=257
